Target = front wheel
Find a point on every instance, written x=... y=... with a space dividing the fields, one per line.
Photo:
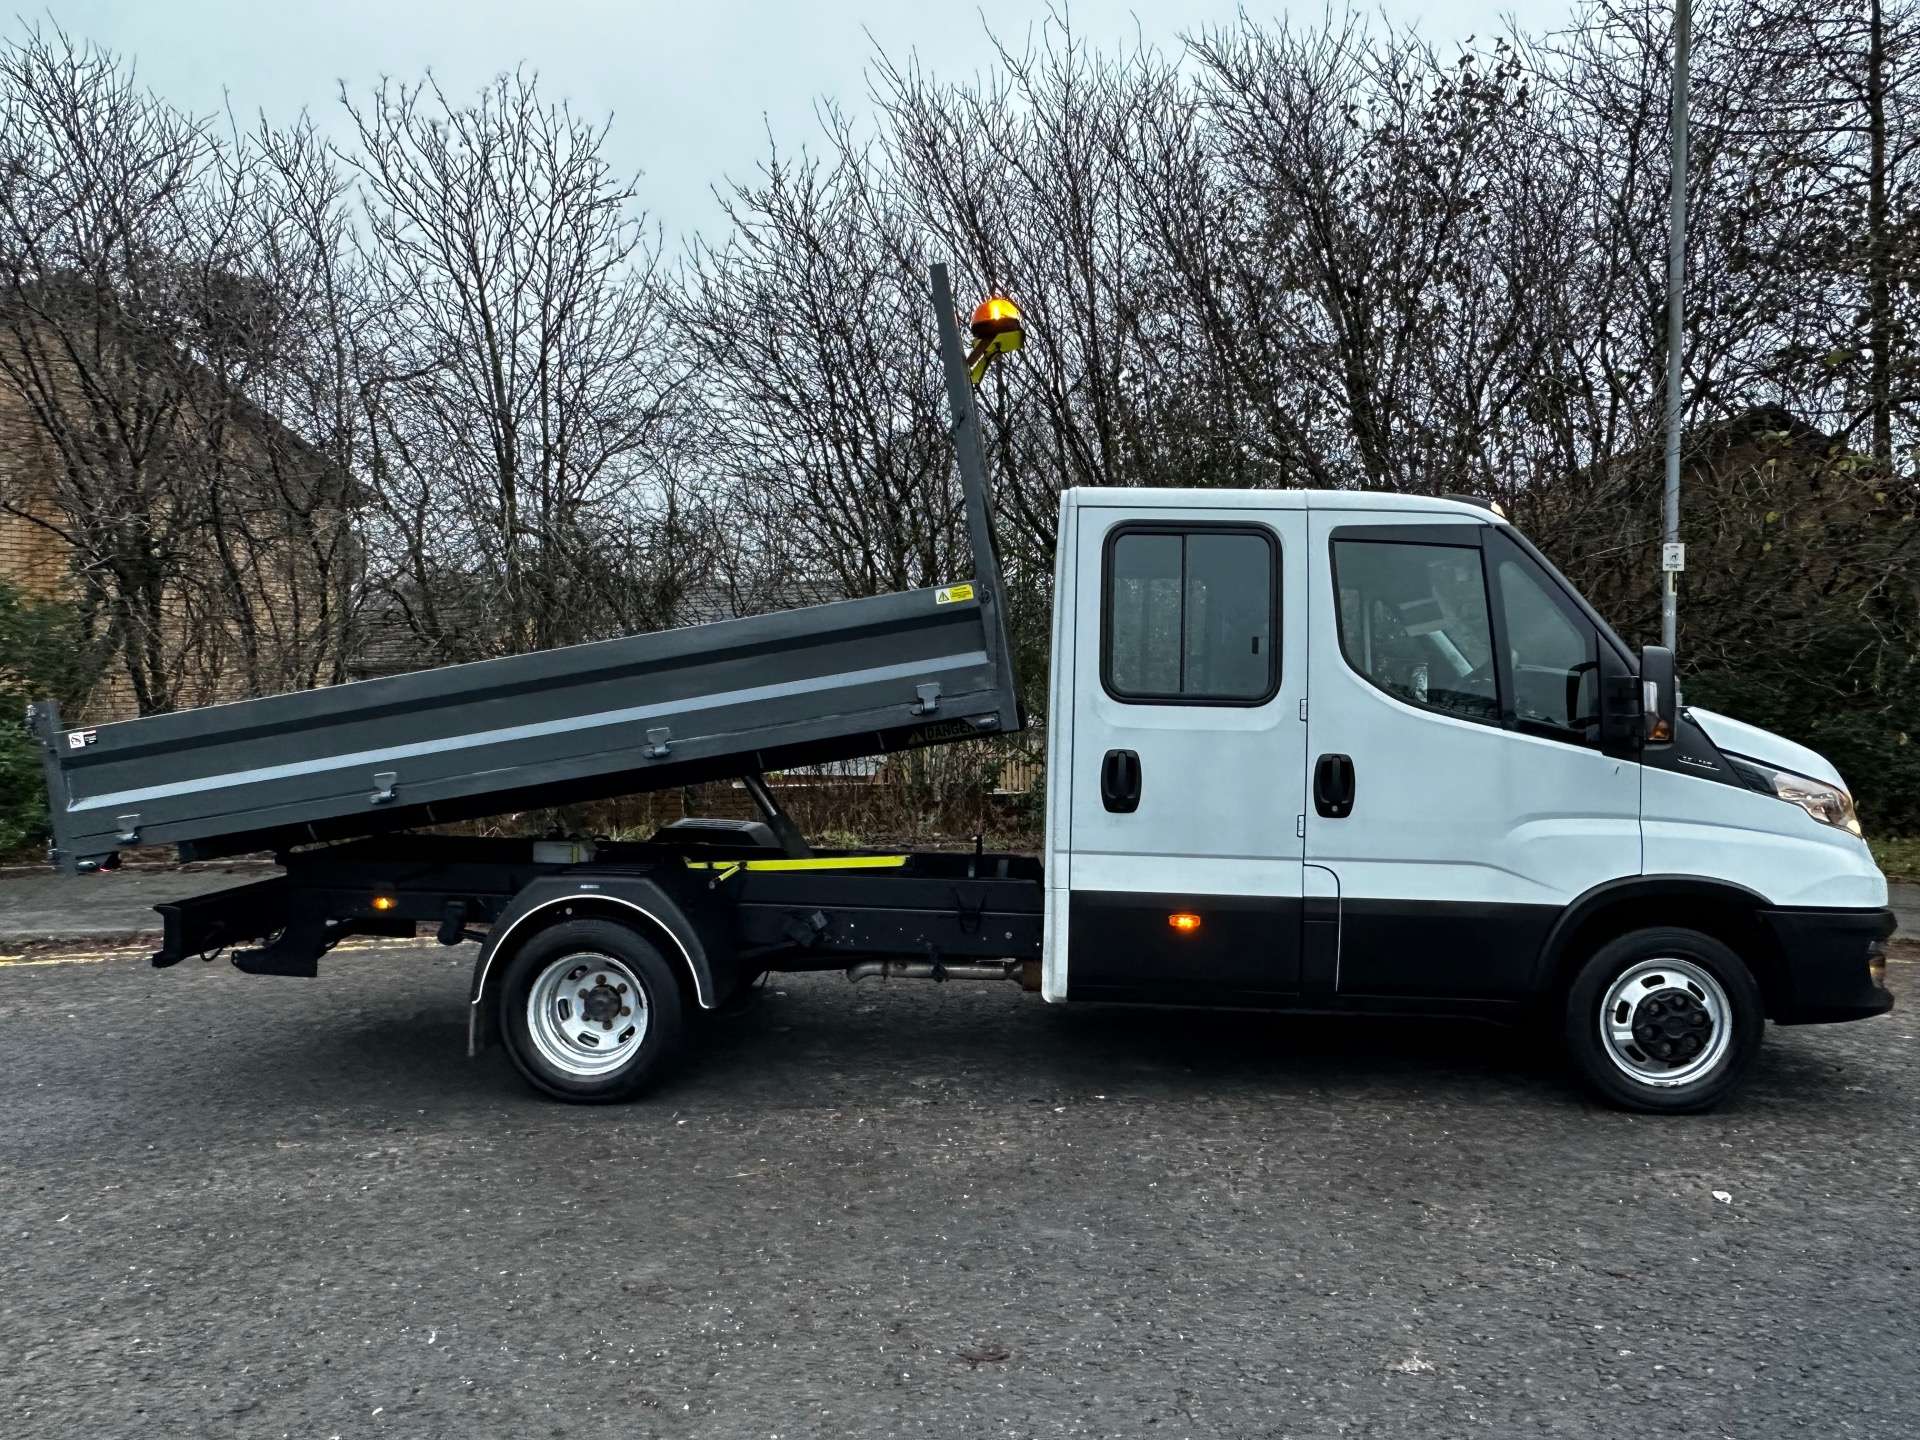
x=1664 y=1020
x=590 y=1012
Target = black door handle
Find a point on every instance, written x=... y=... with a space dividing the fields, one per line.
x=1333 y=786
x=1120 y=781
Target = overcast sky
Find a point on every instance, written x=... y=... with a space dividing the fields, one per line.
x=693 y=86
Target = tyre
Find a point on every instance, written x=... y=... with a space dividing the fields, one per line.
x=591 y=1012
x=1665 y=1021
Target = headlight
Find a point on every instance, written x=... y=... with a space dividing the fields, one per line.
x=1828 y=804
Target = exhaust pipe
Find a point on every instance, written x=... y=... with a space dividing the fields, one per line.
x=1015 y=970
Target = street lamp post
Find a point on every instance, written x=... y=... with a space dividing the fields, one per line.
x=1673 y=555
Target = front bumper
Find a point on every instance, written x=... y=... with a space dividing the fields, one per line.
x=1825 y=956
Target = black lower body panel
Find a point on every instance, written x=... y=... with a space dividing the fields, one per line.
x=1826 y=957
x=1284 y=952
x=1456 y=949
x=1239 y=950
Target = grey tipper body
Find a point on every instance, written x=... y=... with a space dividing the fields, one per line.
x=641 y=713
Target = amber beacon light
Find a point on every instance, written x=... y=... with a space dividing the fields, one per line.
x=1184 y=921
x=997 y=329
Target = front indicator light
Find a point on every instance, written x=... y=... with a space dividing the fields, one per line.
x=1184 y=921
x=384 y=902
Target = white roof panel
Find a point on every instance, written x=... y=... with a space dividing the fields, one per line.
x=1152 y=498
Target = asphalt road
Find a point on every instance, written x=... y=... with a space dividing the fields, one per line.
x=40 y=907
x=259 y=1207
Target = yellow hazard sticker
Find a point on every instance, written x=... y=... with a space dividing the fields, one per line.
x=727 y=869
x=948 y=594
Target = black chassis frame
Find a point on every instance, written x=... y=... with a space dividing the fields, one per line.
x=723 y=922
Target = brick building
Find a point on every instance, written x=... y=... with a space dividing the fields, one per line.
x=32 y=559
x=258 y=601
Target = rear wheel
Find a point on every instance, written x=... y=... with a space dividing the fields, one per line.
x=1664 y=1020
x=591 y=1011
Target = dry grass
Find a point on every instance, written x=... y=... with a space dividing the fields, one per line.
x=1898 y=856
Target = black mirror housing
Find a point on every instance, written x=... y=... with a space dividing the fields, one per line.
x=1620 y=713
x=1660 y=695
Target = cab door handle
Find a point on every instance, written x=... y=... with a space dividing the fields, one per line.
x=1333 y=786
x=1120 y=781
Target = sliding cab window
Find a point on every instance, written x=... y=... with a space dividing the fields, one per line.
x=1190 y=615
x=1414 y=620
x=1553 y=650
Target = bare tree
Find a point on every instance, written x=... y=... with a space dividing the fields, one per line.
x=112 y=222
x=1839 y=135
x=518 y=383
x=152 y=300
x=277 y=405
x=1025 y=176
x=98 y=199
x=820 y=401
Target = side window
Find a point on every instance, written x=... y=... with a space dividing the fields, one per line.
x=1191 y=615
x=1413 y=620
x=1556 y=674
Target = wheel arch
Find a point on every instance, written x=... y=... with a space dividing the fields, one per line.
x=1730 y=913
x=640 y=905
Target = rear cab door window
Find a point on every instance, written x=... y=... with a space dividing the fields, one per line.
x=1190 y=616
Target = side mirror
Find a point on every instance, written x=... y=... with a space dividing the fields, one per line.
x=1659 y=696
x=1620 y=713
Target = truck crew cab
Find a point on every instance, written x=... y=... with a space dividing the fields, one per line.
x=1369 y=752
x=1307 y=750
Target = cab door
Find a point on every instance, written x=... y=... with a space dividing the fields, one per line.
x=1459 y=792
x=1186 y=763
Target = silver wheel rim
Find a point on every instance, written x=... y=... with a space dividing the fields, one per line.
x=587 y=1015
x=1666 y=999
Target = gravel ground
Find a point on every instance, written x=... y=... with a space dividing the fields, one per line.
x=258 y=1207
